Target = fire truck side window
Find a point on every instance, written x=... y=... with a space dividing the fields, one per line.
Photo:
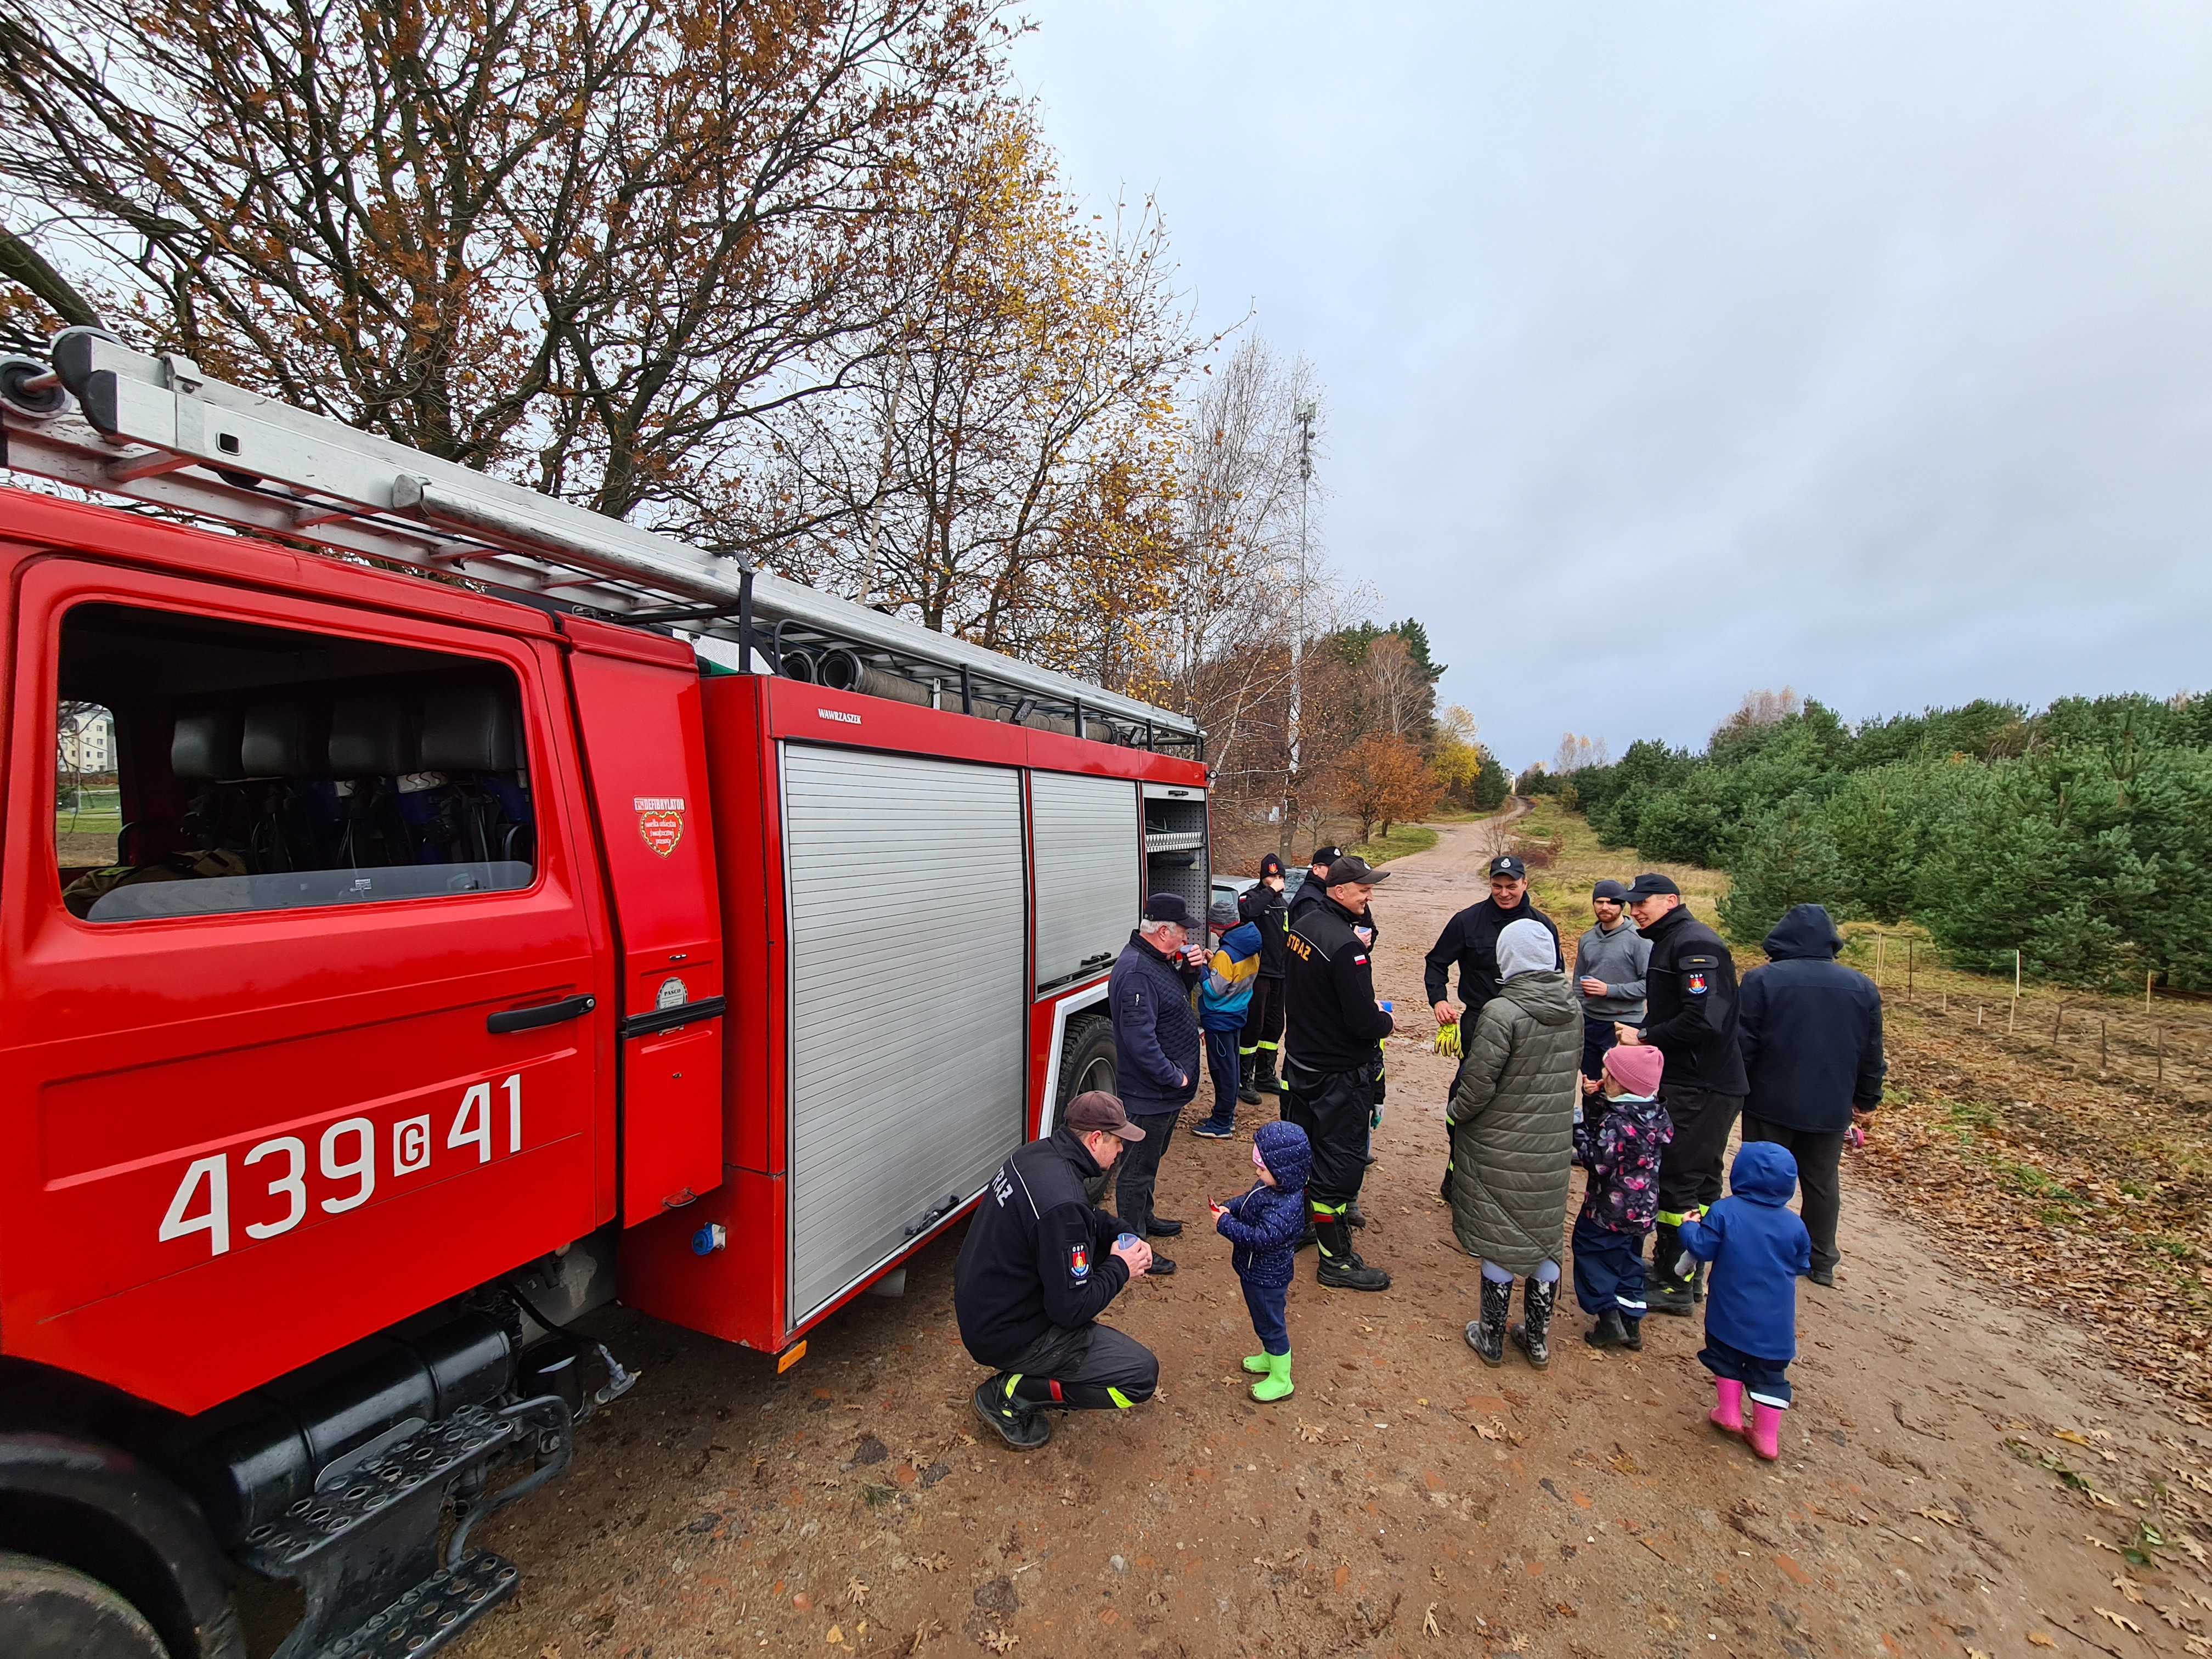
x=255 y=768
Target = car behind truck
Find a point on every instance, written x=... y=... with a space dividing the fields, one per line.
x=502 y=909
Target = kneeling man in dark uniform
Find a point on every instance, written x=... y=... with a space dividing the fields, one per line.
x=1040 y=1264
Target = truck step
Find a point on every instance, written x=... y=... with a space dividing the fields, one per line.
x=422 y=1463
x=431 y=1615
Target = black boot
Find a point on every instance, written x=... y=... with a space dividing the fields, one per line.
x=1341 y=1267
x=1664 y=1292
x=1020 y=1425
x=1632 y=1334
x=1486 y=1335
x=1353 y=1216
x=1248 y=1075
x=1537 y=1301
x=1264 y=1078
x=1309 y=1237
x=1608 y=1331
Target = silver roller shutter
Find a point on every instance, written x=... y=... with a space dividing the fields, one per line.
x=903 y=878
x=1084 y=848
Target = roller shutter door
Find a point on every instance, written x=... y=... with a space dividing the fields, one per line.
x=908 y=1002
x=1089 y=873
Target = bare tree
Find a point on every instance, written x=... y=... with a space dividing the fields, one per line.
x=596 y=247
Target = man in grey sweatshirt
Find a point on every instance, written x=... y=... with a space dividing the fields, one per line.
x=1609 y=964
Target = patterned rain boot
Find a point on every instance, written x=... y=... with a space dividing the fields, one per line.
x=1486 y=1335
x=1727 y=1414
x=1276 y=1385
x=1537 y=1301
x=1766 y=1430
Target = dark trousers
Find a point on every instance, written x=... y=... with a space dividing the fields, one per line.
x=1608 y=1269
x=1263 y=1019
x=1766 y=1381
x=1598 y=1035
x=1691 y=1168
x=1222 y=1063
x=1819 y=1180
x=1140 y=1169
x=1333 y=1108
x=1267 y=1303
x=1091 y=1367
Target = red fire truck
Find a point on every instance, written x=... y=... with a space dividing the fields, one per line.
x=494 y=909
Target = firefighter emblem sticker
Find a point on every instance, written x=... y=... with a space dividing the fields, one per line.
x=660 y=821
x=1079 y=1262
x=1695 y=985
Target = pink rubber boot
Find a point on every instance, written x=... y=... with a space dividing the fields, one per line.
x=1727 y=1405
x=1766 y=1430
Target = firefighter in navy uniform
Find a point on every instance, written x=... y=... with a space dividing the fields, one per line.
x=1261 y=1039
x=1690 y=1018
x=1038 y=1266
x=1332 y=1071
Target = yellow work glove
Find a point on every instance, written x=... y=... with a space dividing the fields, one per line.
x=1447 y=1039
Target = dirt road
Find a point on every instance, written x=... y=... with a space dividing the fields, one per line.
x=1959 y=1476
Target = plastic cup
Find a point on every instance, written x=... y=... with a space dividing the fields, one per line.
x=1123 y=1241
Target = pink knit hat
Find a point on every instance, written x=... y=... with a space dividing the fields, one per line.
x=1636 y=1067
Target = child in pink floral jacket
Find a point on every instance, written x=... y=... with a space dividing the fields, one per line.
x=1618 y=1141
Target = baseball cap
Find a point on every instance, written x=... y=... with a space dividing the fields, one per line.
x=1355 y=868
x=1651 y=882
x=1167 y=907
x=1637 y=1066
x=1506 y=865
x=1098 y=1111
x=1610 y=888
x=1270 y=866
x=1326 y=855
x=1223 y=912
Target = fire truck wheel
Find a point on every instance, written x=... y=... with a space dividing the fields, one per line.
x=52 y=1611
x=1086 y=1061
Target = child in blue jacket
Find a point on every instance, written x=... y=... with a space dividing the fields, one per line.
x=1223 y=998
x=1265 y=1225
x=1760 y=1249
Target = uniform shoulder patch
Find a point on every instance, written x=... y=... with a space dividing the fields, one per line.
x=1079 y=1262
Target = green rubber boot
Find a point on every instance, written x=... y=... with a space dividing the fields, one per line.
x=1276 y=1385
x=1258 y=1363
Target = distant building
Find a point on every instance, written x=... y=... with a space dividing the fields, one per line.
x=88 y=741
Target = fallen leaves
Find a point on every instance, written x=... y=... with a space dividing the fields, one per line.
x=1001 y=1641
x=2119 y=1619
x=2041 y=1639
x=1946 y=1516
x=856 y=1593
x=1429 y=1625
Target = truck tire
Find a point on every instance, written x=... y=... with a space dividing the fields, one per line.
x=52 y=1611
x=1086 y=1061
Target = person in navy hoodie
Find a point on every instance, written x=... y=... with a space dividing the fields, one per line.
x=1760 y=1249
x=1265 y=1225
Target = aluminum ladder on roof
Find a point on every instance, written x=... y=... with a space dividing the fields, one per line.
x=104 y=418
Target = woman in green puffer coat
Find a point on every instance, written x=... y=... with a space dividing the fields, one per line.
x=1512 y=1119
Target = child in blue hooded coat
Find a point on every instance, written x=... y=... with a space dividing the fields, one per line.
x=1760 y=1249
x=1265 y=1227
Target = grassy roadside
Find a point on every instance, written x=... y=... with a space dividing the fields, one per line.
x=1403 y=838
x=2061 y=1144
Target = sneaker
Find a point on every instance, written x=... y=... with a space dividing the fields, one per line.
x=1210 y=1130
x=1018 y=1427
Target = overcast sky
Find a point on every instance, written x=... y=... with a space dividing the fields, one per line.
x=1673 y=350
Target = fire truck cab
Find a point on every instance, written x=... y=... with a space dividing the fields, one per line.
x=493 y=909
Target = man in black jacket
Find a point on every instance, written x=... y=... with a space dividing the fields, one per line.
x=1156 y=1044
x=1315 y=887
x=1261 y=1040
x=1690 y=1017
x=1335 y=1059
x=1470 y=941
x=1039 y=1266
x=1810 y=1031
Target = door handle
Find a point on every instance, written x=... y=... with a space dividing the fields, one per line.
x=545 y=1013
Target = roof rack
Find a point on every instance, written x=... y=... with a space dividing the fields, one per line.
x=104 y=418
